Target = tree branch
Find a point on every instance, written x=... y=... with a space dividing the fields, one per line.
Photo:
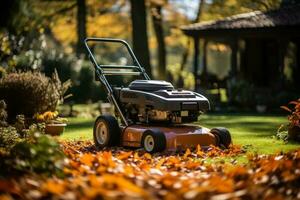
x=61 y=11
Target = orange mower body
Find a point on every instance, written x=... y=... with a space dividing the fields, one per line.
x=176 y=137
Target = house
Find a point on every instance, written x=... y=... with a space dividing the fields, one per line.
x=265 y=47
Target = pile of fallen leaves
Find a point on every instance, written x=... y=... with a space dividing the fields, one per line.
x=195 y=174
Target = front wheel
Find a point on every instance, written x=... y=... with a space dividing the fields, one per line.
x=223 y=136
x=106 y=131
x=153 y=141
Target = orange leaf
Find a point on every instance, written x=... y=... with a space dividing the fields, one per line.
x=294 y=102
x=187 y=153
x=192 y=165
x=124 y=155
x=148 y=156
x=199 y=151
x=172 y=161
x=136 y=156
x=87 y=159
x=8 y=187
x=144 y=165
x=285 y=108
x=160 y=163
x=222 y=185
x=54 y=187
x=128 y=170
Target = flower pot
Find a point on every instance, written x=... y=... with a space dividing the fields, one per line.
x=294 y=133
x=55 y=129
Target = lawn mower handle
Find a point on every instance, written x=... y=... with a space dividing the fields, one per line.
x=137 y=66
x=101 y=73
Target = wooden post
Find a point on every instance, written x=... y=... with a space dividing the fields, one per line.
x=203 y=77
x=282 y=52
x=204 y=72
x=196 y=60
x=233 y=59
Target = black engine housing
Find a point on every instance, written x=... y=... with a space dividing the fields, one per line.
x=157 y=101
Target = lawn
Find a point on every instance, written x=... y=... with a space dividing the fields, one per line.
x=253 y=131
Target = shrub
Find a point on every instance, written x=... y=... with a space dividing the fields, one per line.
x=291 y=131
x=30 y=152
x=294 y=117
x=2 y=72
x=28 y=93
x=8 y=138
x=3 y=113
x=41 y=155
x=36 y=153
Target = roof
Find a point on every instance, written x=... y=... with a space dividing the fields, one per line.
x=283 y=17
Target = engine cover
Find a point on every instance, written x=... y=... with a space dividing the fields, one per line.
x=164 y=100
x=157 y=101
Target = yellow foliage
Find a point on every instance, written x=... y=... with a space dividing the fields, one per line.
x=64 y=30
x=46 y=116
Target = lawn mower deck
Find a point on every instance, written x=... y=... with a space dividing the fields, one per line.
x=152 y=113
x=175 y=137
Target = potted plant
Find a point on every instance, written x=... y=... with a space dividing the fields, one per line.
x=294 y=120
x=54 y=125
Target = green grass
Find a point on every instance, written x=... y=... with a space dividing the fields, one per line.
x=255 y=131
x=78 y=128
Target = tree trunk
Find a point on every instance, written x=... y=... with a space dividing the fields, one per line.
x=81 y=27
x=188 y=45
x=139 y=33
x=296 y=70
x=159 y=34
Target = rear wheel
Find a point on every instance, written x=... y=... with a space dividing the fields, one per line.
x=153 y=141
x=106 y=131
x=223 y=136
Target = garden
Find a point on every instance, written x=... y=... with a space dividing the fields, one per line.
x=51 y=97
x=37 y=163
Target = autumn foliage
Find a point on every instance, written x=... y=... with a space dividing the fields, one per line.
x=195 y=174
x=294 y=117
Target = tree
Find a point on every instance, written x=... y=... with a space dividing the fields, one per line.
x=81 y=26
x=139 y=33
x=157 y=20
x=186 y=52
x=189 y=42
x=7 y=12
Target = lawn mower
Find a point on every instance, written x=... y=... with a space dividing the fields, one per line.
x=152 y=113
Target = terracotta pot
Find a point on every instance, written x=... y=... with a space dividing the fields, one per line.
x=55 y=129
x=294 y=133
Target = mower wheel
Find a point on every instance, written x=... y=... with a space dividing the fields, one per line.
x=153 y=141
x=106 y=131
x=222 y=135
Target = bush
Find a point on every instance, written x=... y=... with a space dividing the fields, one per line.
x=2 y=72
x=3 y=114
x=8 y=138
x=291 y=130
x=41 y=155
x=28 y=93
x=35 y=152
